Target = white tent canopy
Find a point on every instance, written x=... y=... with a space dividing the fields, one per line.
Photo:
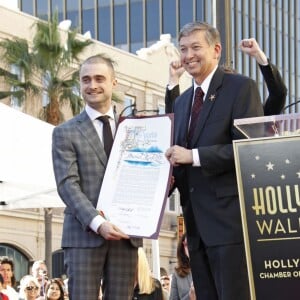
x=26 y=168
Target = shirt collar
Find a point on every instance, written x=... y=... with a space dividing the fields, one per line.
x=206 y=82
x=94 y=114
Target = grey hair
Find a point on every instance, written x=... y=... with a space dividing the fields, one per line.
x=212 y=34
x=25 y=281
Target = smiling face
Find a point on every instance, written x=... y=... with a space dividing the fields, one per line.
x=97 y=82
x=53 y=292
x=198 y=57
x=31 y=291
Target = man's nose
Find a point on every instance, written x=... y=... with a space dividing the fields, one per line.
x=93 y=84
x=189 y=52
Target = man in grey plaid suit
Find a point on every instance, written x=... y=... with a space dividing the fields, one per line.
x=94 y=248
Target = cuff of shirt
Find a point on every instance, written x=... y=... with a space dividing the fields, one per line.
x=196 y=158
x=96 y=222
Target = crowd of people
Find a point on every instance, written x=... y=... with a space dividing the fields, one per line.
x=36 y=285
x=96 y=250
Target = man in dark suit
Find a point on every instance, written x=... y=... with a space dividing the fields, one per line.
x=94 y=248
x=275 y=101
x=204 y=168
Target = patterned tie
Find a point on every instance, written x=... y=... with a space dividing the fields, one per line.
x=196 y=109
x=107 y=134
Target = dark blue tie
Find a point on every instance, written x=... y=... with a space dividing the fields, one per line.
x=107 y=134
x=196 y=109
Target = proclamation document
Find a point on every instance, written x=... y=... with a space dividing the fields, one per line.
x=136 y=182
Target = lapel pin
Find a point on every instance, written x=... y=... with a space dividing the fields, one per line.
x=212 y=97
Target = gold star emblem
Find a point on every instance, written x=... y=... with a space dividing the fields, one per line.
x=212 y=97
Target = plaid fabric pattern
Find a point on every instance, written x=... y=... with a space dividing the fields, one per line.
x=115 y=262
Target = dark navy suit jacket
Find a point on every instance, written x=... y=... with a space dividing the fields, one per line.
x=209 y=194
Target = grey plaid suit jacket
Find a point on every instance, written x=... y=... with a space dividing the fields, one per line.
x=79 y=162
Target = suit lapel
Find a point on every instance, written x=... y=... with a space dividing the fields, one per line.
x=87 y=129
x=210 y=100
x=182 y=117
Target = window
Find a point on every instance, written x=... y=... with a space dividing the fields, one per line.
x=161 y=109
x=186 y=11
x=57 y=6
x=27 y=6
x=42 y=10
x=120 y=27
x=173 y=204
x=152 y=21
x=88 y=17
x=136 y=25
x=73 y=12
x=169 y=17
x=104 y=21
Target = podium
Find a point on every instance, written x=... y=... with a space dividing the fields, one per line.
x=268 y=174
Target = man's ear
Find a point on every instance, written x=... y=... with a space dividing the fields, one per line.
x=115 y=82
x=218 y=50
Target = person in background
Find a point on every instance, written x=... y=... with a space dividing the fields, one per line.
x=39 y=270
x=165 y=283
x=30 y=288
x=54 y=290
x=182 y=277
x=203 y=164
x=275 y=101
x=94 y=248
x=9 y=281
x=146 y=287
x=2 y=296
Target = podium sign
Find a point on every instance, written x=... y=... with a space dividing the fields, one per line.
x=268 y=174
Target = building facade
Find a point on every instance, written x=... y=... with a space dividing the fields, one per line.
x=134 y=24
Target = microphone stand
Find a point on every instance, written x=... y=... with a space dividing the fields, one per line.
x=135 y=112
x=148 y=110
x=291 y=104
x=132 y=113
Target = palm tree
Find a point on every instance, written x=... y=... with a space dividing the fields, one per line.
x=45 y=71
x=45 y=68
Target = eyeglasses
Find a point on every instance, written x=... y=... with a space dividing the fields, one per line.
x=30 y=288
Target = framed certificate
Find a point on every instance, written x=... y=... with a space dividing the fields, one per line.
x=137 y=177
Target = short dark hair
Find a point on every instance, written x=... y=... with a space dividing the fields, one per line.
x=101 y=58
